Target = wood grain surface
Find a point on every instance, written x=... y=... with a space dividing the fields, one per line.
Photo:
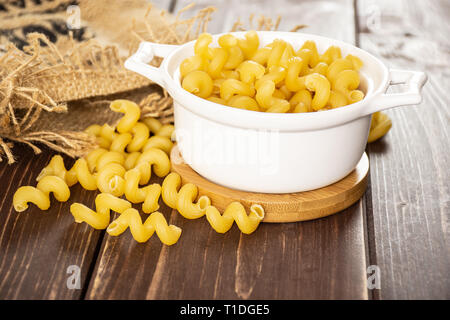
x=409 y=207
x=287 y=207
x=401 y=224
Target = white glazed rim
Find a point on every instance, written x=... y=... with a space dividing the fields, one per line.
x=274 y=121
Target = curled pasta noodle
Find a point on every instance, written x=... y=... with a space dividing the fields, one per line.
x=356 y=62
x=93 y=156
x=261 y=56
x=346 y=81
x=141 y=232
x=330 y=55
x=140 y=136
x=217 y=100
x=337 y=99
x=293 y=82
x=336 y=67
x=131 y=111
x=250 y=44
x=243 y=102
x=120 y=142
x=110 y=157
x=198 y=83
x=265 y=98
x=148 y=194
x=182 y=200
x=231 y=87
x=160 y=142
x=301 y=101
x=131 y=160
x=235 y=54
x=110 y=179
x=154 y=125
x=201 y=46
x=100 y=218
x=78 y=173
x=314 y=58
x=320 y=68
x=235 y=212
x=166 y=130
x=250 y=71
x=321 y=86
x=355 y=96
x=93 y=129
x=275 y=73
x=159 y=160
x=193 y=63
x=40 y=195
x=218 y=62
x=279 y=46
x=379 y=126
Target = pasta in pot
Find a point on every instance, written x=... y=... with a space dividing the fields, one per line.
x=333 y=80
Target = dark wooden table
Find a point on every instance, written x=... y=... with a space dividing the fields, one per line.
x=401 y=225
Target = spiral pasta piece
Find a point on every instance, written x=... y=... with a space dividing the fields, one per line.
x=198 y=83
x=321 y=86
x=182 y=200
x=148 y=194
x=131 y=111
x=379 y=126
x=250 y=44
x=40 y=195
x=266 y=100
x=141 y=232
x=231 y=87
x=235 y=212
x=100 y=218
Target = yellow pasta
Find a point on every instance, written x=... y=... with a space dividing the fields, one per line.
x=293 y=82
x=148 y=194
x=250 y=71
x=140 y=134
x=379 y=126
x=100 y=218
x=131 y=111
x=40 y=195
x=159 y=160
x=330 y=55
x=218 y=62
x=183 y=200
x=198 y=83
x=250 y=44
x=194 y=63
x=321 y=87
x=230 y=87
x=243 y=102
x=201 y=47
x=141 y=232
x=235 y=212
x=275 y=73
x=93 y=156
x=234 y=72
x=266 y=100
x=93 y=130
x=119 y=143
x=110 y=179
x=160 y=142
x=154 y=125
x=166 y=130
x=301 y=101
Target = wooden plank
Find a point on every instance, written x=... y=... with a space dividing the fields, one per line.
x=37 y=247
x=324 y=258
x=409 y=168
x=320 y=18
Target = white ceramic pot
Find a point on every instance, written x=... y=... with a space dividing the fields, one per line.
x=273 y=152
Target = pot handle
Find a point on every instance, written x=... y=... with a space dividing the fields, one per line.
x=139 y=61
x=414 y=81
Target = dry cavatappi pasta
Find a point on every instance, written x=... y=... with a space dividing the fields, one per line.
x=121 y=168
x=273 y=78
x=241 y=74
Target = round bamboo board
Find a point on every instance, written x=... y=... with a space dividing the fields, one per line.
x=287 y=207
